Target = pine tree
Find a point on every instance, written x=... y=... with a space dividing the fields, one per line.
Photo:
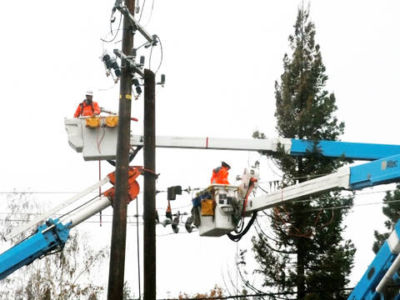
x=308 y=255
x=391 y=206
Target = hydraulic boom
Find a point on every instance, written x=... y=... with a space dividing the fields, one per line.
x=229 y=202
x=51 y=234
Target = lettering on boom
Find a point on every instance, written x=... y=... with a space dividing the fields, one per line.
x=389 y=164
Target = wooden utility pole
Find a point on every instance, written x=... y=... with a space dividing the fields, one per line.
x=118 y=238
x=149 y=197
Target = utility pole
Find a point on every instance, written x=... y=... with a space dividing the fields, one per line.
x=118 y=238
x=149 y=197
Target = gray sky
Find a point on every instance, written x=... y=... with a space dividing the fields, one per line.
x=221 y=59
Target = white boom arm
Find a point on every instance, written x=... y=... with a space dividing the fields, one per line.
x=268 y=144
x=85 y=212
x=339 y=179
x=100 y=143
x=35 y=222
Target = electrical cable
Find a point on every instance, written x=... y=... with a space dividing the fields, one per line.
x=99 y=139
x=36 y=192
x=303 y=211
x=357 y=193
x=137 y=6
x=78 y=207
x=141 y=10
x=262 y=189
x=242 y=232
x=150 y=55
x=162 y=54
x=107 y=89
x=111 y=31
x=233 y=237
x=237 y=237
x=308 y=200
x=270 y=160
x=173 y=233
x=259 y=295
x=151 y=14
x=332 y=208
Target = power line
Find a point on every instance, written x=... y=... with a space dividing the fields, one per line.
x=111 y=31
x=151 y=13
x=358 y=193
x=37 y=192
x=259 y=295
x=308 y=210
x=141 y=10
x=162 y=55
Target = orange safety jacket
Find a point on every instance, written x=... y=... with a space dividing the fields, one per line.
x=85 y=109
x=220 y=175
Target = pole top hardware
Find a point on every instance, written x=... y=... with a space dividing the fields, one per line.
x=151 y=39
x=132 y=65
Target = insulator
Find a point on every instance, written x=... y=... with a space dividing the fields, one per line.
x=175 y=224
x=116 y=68
x=135 y=82
x=107 y=60
x=188 y=224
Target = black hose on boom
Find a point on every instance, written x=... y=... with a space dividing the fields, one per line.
x=237 y=237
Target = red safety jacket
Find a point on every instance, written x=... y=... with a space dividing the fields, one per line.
x=220 y=175
x=85 y=109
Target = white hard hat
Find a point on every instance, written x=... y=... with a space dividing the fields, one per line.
x=89 y=93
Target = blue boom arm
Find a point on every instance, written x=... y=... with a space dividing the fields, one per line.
x=353 y=151
x=294 y=147
x=373 y=173
x=383 y=169
x=49 y=237
x=385 y=259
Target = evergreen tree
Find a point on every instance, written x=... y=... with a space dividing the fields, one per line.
x=308 y=255
x=391 y=209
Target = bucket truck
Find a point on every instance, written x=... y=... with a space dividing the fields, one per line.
x=218 y=208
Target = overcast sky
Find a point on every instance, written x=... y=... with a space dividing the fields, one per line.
x=221 y=59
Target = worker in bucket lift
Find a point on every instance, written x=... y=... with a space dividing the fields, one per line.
x=88 y=107
x=220 y=174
